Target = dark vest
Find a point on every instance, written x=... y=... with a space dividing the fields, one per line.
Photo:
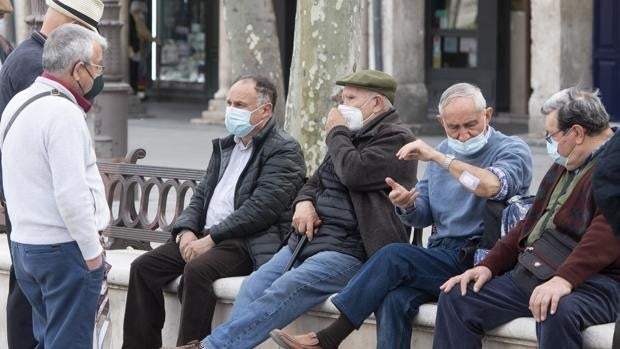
x=339 y=230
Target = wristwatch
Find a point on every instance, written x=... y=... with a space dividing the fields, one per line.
x=178 y=238
x=447 y=161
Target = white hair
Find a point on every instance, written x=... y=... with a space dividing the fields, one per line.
x=67 y=45
x=459 y=90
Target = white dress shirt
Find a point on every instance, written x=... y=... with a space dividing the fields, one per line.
x=222 y=201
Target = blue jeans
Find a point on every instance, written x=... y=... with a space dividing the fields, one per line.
x=270 y=299
x=62 y=291
x=462 y=320
x=394 y=283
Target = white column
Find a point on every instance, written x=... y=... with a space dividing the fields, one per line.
x=217 y=105
x=110 y=109
x=407 y=61
x=561 y=52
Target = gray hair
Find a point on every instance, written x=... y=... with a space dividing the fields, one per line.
x=578 y=107
x=265 y=89
x=459 y=90
x=67 y=45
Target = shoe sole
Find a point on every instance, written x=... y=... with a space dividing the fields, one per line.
x=274 y=336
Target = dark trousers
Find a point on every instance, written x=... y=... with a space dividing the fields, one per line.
x=144 y=311
x=18 y=309
x=462 y=320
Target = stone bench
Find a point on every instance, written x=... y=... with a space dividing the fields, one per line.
x=519 y=333
x=133 y=190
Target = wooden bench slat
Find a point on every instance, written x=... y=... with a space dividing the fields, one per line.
x=150 y=171
x=137 y=234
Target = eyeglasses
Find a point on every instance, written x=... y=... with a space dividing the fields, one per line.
x=548 y=137
x=100 y=68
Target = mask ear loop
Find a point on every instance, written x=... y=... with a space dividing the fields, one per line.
x=371 y=116
x=78 y=81
x=571 y=152
x=262 y=121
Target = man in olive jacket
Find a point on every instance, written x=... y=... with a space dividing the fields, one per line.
x=235 y=221
x=344 y=211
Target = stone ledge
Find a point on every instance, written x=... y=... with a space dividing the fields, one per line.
x=519 y=333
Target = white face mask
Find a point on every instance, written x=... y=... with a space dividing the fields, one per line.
x=353 y=115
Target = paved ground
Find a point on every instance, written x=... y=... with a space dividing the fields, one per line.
x=171 y=140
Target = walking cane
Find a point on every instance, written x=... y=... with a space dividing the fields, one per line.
x=298 y=248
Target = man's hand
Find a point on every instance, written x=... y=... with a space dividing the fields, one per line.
x=400 y=196
x=480 y=275
x=334 y=118
x=546 y=297
x=94 y=263
x=198 y=247
x=418 y=150
x=187 y=236
x=305 y=219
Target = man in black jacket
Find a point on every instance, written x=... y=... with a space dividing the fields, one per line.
x=606 y=182
x=343 y=210
x=606 y=187
x=235 y=221
x=19 y=71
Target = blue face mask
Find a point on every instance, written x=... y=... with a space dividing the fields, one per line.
x=238 y=121
x=470 y=146
x=552 y=150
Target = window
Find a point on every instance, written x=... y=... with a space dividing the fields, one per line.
x=454 y=27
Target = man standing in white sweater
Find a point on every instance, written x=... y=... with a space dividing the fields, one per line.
x=54 y=189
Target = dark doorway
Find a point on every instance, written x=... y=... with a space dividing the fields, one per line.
x=606 y=54
x=468 y=41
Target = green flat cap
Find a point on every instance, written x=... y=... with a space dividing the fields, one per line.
x=372 y=80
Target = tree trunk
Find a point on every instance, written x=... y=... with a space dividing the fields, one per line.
x=327 y=47
x=254 y=45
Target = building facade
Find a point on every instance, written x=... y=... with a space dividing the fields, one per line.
x=518 y=51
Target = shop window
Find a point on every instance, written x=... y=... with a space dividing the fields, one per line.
x=468 y=40
x=454 y=28
x=181 y=32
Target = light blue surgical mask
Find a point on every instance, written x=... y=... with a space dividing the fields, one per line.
x=470 y=146
x=238 y=121
x=552 y=150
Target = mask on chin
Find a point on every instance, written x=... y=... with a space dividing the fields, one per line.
x=470 y=146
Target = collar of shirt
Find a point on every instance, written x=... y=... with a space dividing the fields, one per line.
x=240 y=144
x=82 y=102
x=39 y=37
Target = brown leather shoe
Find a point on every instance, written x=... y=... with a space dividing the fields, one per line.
x=304 y=341
x=191 y=345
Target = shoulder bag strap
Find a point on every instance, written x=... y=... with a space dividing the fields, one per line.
x=53 y=92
